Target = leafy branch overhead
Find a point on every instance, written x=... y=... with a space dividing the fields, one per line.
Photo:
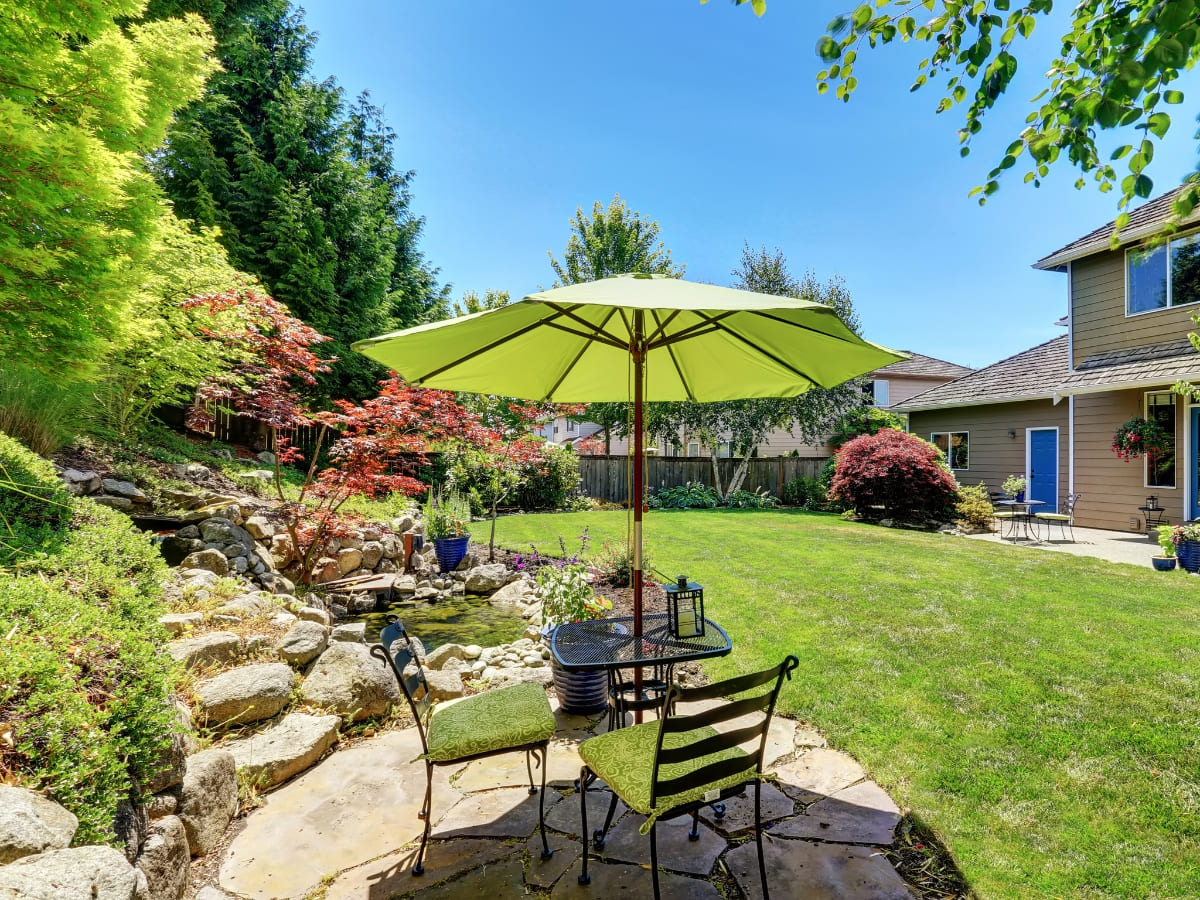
x=1115 y=68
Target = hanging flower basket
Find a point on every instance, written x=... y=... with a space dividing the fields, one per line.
x=1141 y=437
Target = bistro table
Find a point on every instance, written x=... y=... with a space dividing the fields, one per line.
x=610 y=643
x=1022 y=513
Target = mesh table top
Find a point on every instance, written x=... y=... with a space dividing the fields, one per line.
x=610 y=643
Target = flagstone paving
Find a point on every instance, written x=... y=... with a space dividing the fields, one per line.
x=349 y=828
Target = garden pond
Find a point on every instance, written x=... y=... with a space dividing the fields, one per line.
x=458 y=620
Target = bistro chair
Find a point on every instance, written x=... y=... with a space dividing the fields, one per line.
x=1004 y=515
x=499 y=721
x=680 y=763
x=1064 y=521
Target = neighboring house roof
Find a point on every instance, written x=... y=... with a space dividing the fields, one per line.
x=1143 y=221
x=1032 y=374
x=1132 y=368
x=921 y=366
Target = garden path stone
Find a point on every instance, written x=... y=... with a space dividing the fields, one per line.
x=29 y=824
x=861 y=814
x=392 y=874
x=245 y=694
x=504 y=812
x=352 y=633
x=544 y=872
x=80 y=873
x=818 y=774
x=285 y=749
x=739 y=810
x=609 y=880
x=358 y=804
x=504 y=880
x=565 y=815
x=826 y=871
x=214 y=647
x=625 y=844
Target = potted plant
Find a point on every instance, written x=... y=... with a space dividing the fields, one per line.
x=447 y=517
x=1142 y=437
x=1164 y=562
x=1186 y=539
x=567 y=596
x=1014 y=486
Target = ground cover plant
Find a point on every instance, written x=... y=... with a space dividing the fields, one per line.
x=1039 y=712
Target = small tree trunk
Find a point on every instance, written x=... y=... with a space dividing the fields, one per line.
x=739 y=474
x=716 y=467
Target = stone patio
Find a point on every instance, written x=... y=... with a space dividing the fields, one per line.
x=348 y=830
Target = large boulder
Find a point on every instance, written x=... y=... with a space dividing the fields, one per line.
x=348 y=681
x=372 y=553
x=214 y=647
x=244 y=694
x=30 y=824
x=303 y=643
x=488 y=578
x=210 y=560
x=179 y=623
x=208 y=798
x=79 y=483
x=517 y=593
x=348 y=560
x=124 y=489
x=439 y=655
x=172 y=763
x=218 y=530
x=283 y=551
x=259 y=527
x=444 y=684
x=285 y=749
x=249 y=605
x=80 y=873
x=164 y=859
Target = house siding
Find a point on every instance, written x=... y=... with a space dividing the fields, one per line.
x=901 y=388
x=993 y=455
x=1098 y=320
x=1112 y=489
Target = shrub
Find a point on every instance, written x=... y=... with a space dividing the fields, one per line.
x=863 y=420
x=553 y=483
x=38 y=413
x=693 y=495
x=614 y=562
x=894 y=475
x=750 y=500
x=974 y=506
x=804 y=492
x=84 y=680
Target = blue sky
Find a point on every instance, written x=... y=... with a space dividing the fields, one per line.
x=707 y=119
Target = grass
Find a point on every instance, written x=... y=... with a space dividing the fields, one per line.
x=1039 y=712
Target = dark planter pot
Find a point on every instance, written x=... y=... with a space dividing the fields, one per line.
x=1188 y=553
x=450 y=551
x=581 y=692
x=1020 y=496
x=1163 y=563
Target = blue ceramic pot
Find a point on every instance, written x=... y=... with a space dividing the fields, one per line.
x=450 y=551
x=1188 y=553
x=1020 y=496
x=1163 y=563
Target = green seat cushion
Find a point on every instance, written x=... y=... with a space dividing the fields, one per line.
x=1005 y=515
x=496 y=720
x=1054 y=517
x=624 y=760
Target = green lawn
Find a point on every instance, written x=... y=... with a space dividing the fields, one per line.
x=1039 y=712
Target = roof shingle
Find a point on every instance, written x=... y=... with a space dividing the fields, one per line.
x=920 y=365
x=1031 y=374
x=1135 y=367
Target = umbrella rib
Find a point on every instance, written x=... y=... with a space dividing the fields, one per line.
x=484 y=349
x=587 y=336
x=771 y=356
x=846 y=340
x=671 y=353
x=697 y=330
x=662 y=326
x=578 y=356
x=597 y=332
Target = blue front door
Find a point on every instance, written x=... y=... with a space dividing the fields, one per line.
x=1193 y=510
x=1043 y=468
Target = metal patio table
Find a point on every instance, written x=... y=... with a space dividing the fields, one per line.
x=1023 y=512
x=597 y=644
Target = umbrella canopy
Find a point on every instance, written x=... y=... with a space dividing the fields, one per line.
x=639 y=338
x=575 y=344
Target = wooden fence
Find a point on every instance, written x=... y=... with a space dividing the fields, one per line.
x=606 y=477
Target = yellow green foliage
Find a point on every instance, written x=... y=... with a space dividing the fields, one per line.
x=974 y=506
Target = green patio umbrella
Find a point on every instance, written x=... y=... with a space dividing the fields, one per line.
x=634 y=337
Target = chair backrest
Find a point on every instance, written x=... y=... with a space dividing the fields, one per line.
x=399 y=657
x=762 y=689
x=1072 y=499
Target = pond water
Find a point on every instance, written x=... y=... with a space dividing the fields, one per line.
x=459 y=620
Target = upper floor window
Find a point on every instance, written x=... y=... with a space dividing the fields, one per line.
x=1167 y=275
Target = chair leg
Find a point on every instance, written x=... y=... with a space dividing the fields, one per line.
x=694 y=834
x=654 y=857
x=419 y=868
x=599 y=834
x=529 y=769
x=584 y=878
x=762 y=862
x=546 y=851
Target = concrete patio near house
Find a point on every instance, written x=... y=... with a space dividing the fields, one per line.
x=1133 y=547
x=348 y=830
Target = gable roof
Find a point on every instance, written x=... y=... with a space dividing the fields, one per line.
x=1143 y=222
x=1148 y=366
x=921 y=366
x=1032 y=374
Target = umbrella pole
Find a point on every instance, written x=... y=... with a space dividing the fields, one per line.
x=639 y=374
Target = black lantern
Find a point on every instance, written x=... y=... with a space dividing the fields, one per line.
x=1151 y=502
x=685 y=608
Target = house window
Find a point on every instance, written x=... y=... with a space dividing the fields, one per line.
x=572 y=427
x=1167 y=275
x=880 y=391
x=954 y=444
x=1160 y=408
x=723 y=450
x=693 y=448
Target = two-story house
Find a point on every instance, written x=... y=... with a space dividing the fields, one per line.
x=1059 y=405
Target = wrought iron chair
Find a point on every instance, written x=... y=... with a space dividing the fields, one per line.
x=1065 y=521
x=1004 y=515
x=499 y=721
x=680 y=763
